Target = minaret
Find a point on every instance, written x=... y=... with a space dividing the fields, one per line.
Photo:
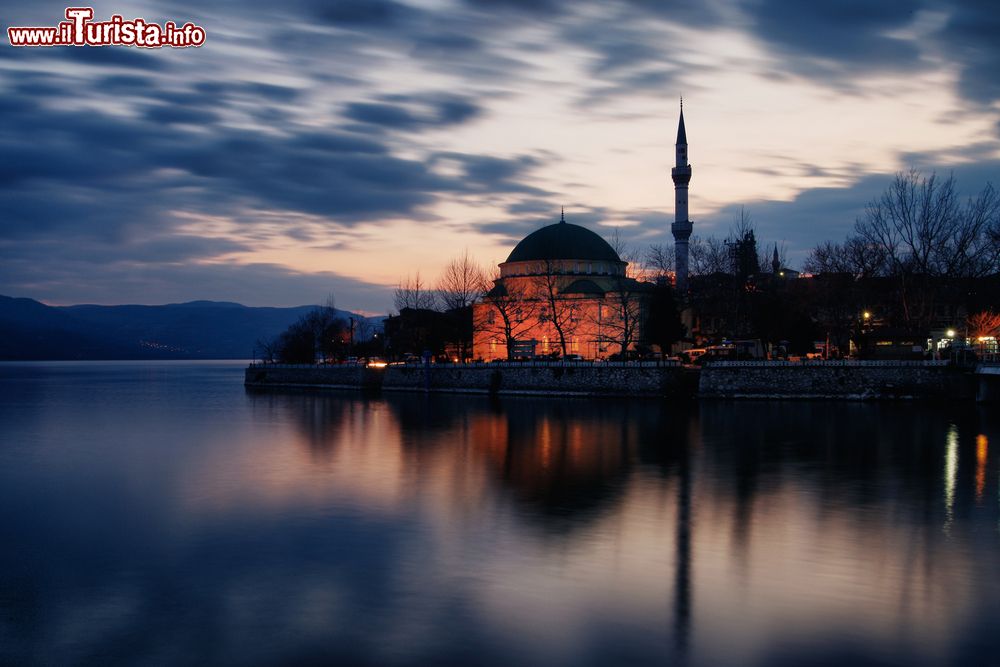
x=682 y=226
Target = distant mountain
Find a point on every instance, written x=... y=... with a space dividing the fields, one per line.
x=30 y=330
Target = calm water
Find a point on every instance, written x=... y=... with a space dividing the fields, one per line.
x=160 y=514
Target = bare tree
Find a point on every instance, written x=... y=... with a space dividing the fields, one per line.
x=562 y=311
x=983 y=324
x=328 y=330
x=624 y=302
x=412 y=293
x=708 y=256
x=659 y=259
x=268 y=349
x=462 y=282
x=512 y=311
x=742 y=224
x=854 y=256
x=925 y=237
x=974 y=248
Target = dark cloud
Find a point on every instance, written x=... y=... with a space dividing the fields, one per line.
x=837 y=38
x=387 y=115
x=100 y=161
x=412 y=112
x=90 y=197
x=361 y=13
x=126 y=84
x=970 y=37
x=445 y=44
x=456 y=111
x=528 y=6
x=146 y=60
x=170 y=114
x=695 y=14
x=484 y=173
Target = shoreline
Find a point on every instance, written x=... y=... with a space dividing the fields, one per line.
x=754 y=380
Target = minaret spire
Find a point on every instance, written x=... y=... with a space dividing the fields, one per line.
x=681 y=134
x=681 y=175
x=562 y=214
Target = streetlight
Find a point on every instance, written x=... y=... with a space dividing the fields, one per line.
x=867 y=315
x=950 y=333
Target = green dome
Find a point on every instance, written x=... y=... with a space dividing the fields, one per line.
x=563 y=241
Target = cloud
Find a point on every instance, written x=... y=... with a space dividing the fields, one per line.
x=387 y=115
x=493 y=174
x=538 y=7
x=362 y=113
x=146 y=60
x=833 y=40
x=162 y=272
x=970 y=38
x=412 y=112
x=361 y=13
x=176 y=114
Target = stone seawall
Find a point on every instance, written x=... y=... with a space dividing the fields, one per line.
x=557 y=379
x=336 y=377
x=587 y=379
x=852 y=380
x=857 y=380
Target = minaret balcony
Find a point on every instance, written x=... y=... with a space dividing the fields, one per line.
x=681 y=175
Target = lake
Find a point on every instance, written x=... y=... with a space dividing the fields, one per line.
x=161 y=514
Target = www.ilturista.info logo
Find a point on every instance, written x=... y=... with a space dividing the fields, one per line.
x=79 y=30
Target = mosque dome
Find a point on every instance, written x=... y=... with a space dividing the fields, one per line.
x=563 y=241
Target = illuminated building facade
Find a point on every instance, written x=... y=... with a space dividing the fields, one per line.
x=562 y=291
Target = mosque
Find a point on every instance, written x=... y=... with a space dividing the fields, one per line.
x=565 y=291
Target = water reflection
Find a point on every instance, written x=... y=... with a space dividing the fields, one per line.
x=160 y=516
x=982 y=451
x=950 y=475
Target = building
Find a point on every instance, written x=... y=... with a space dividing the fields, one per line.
x=564 y=291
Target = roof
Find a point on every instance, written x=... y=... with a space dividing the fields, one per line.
x=563 y=241
x=583 y=286
x=682 y=137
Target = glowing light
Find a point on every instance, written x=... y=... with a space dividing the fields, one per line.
x=867 y=315
x=950 y=333
x=377 y=364
x=950 y=475
x=982 y=447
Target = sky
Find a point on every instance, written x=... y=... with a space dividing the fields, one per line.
x=315 y=147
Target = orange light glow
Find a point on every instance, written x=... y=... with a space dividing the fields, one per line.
x=982 y=446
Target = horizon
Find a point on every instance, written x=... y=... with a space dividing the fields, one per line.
x=305 y=150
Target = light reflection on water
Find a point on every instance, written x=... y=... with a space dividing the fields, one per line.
x=161 y=514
